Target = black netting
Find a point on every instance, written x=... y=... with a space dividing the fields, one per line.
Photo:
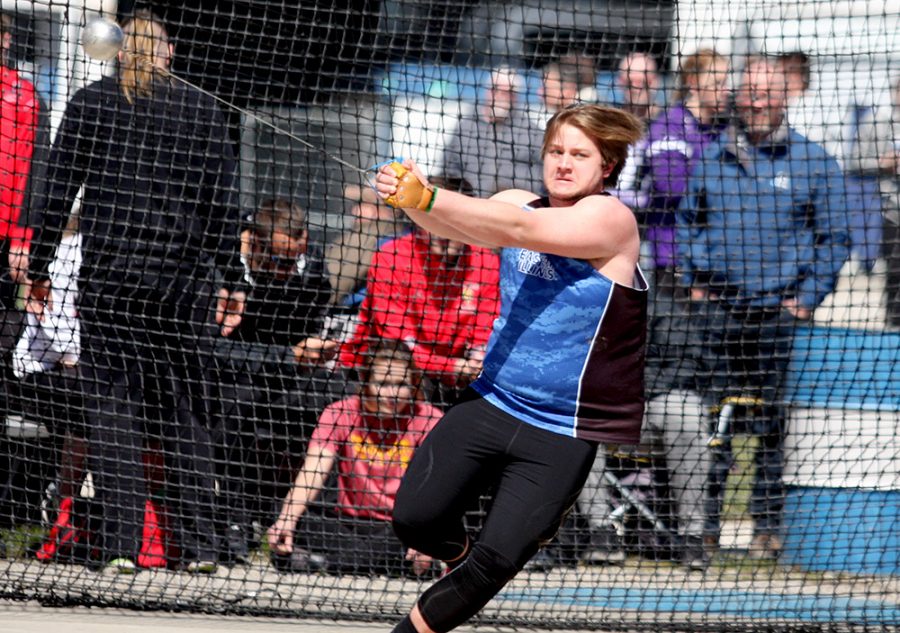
x=221 y=348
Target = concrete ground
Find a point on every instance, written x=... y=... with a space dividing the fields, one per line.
x=33 y=618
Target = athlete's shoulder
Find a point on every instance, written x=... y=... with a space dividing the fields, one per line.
x=518 y=197
x=606 y=204
x=610 y=213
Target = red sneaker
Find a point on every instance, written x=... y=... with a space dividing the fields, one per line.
x=64 y=534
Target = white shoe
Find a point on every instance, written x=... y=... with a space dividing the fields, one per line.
x=124 y=566
x=202 y=567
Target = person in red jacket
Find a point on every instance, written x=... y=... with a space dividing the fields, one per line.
x=440 y=296
x=19 y=108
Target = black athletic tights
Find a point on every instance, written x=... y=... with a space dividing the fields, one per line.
x=538 y=475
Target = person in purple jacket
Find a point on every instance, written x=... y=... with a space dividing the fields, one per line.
x=674 y=142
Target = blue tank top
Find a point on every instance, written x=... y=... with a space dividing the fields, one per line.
x=567 y=351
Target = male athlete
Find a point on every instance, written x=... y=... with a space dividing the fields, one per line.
x=563 y=368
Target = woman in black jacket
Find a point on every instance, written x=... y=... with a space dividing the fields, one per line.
x=159 y=217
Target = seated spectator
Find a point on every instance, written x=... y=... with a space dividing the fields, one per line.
x=289 y=288
x=438 y=295
x=370 y=439
x=496 y=146
x=349 y=256
x=270 y=391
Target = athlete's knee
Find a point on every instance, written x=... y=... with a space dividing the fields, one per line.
x=486 y=567
x=415 y=520
x=409 y=523
x=440 y=536
x=461 y=594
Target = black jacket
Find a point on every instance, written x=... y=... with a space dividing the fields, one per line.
x=159 y=198
x=286 y=311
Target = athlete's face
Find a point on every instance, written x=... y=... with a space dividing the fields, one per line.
x=389 y=392
x=573 y=166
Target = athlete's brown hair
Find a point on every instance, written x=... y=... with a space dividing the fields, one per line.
x=612 y=130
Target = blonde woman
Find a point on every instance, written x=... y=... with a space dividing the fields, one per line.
x=159 y=227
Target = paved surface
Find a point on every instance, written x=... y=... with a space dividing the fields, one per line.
x=32 y=618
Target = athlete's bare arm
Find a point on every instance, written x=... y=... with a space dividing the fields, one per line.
x=440 y=228
x=594 y=227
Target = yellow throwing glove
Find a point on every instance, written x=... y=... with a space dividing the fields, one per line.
x=412 y=192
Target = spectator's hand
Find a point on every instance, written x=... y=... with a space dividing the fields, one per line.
x=477 y=354
x=890 y=163
x=700 y=294
x=420 y=562
x=18 y=263
x=229 y=310
x=796 y=310
x=38 y=298
x=467 y=369
x=281 y=535
x=313 y=350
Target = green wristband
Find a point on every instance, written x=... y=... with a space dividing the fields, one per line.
x=431 y=202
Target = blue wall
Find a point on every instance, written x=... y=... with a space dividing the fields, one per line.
x=845 y=529
x=838 y=368
x=834 y=529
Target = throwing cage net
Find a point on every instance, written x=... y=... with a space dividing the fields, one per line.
x=158 y=452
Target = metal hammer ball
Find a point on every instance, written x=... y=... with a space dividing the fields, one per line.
x=102 y=39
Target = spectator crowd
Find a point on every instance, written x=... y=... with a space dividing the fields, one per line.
x=286 y=385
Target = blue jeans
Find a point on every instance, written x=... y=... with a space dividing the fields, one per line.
x=749 y=350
